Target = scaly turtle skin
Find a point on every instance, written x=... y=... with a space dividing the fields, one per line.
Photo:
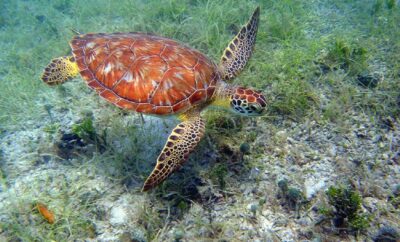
x=155 y=75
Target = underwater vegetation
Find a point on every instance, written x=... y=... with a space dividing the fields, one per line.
x=84 y=130
x=347 y=205
x=330 y=71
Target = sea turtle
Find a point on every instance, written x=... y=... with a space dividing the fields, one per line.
x=160 y=76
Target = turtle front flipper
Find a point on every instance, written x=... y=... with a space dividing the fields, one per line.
x=239 y=50
x=60 y=70
x=183 y=139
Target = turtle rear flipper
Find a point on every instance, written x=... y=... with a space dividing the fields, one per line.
x=239 y=50
x=60 y=70
x=180 y=143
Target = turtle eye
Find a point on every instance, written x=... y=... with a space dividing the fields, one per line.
x=256 y=108
x=253 y=108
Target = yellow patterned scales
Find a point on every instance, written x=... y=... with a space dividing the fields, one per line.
x=156 y=75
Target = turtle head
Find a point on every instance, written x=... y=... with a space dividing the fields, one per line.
x=248 y=102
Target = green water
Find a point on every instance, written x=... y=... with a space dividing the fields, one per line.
x=330 y=71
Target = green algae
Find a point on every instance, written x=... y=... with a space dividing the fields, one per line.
x=85 y=129
x=347 y=205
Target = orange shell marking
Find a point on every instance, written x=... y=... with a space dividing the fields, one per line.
x=144 y=73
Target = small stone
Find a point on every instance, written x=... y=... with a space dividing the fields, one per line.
x=313 y=185
x=254 y=173
x=178 y=234
x=286 y=235
x=306 y=221
x=281 y=133
x=290 y=140
x=387 y=234
x=229 y=233
x=118 y=216
x=281 y=222
x=138 y=235
x=373 y=204
x=332 y=150
x=125 y=237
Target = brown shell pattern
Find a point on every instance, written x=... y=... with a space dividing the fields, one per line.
x=145 y=73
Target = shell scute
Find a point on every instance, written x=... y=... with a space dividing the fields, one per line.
x=96 y=56
x=81 y=64
x=145 y=73
x=123 y=103
x=120 y=44
x=175 y=57
x=160 y=110
x=110 y=96
x=180 y=105
x=210 y=91
x=144 y=108
x=110 y=71
x=95 y=85
x=197 y=96
x=143 y=47
x=77 y=43
x=87 y=75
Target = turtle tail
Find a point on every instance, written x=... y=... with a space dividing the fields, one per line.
x=60 y=70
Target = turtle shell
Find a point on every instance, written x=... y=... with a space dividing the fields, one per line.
x=145 y=73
